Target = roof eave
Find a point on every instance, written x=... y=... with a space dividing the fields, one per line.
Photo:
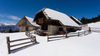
x=20 y=20
x=38 y=12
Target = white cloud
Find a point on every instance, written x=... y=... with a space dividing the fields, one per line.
x=8 y=22
x=10 y=16
x=14 y=17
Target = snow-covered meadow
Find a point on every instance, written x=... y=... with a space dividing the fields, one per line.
x=86 y=45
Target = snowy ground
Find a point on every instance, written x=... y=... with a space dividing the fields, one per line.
x=73 y=46
x=96 y=24
x=86 y=45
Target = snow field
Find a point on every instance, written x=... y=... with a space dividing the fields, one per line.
x=73 y=46
x=86 y=45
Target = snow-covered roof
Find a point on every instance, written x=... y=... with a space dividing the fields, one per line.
x=76 y=19
x=31 y=21
x=63 y=18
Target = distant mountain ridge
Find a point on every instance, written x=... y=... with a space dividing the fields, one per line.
x=5 y=26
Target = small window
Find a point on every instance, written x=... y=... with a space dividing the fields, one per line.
x=60 y=29
x=40 y=16
x=45 y=27
x=71 y=30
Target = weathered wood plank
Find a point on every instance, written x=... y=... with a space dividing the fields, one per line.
x=19 y=39
x=72 y=35
x=56 y=37
x=21 y=47
x=78 y=34
x=20 y=44
x=8 y=45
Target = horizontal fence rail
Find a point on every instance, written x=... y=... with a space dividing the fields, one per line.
x=20 y=47
x=95 y=29
x=20 y=44
x=98 y=31
x=68 y=35
x=32 y=38
x=49 y=37
x=29 y=34
x=19 y=39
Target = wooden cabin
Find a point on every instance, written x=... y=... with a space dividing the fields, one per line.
x=54 y=22
x=76 y=20
x=27 y=24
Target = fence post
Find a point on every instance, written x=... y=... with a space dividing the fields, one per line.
x=89 y=30
x=29 y=34
x=47 y=38
x=35 y=39
x=8 y=44
x=84 y=32
x=78 y=34
x=31 y=37
x=66 y=34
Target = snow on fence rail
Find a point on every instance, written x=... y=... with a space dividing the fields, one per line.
x=29 y=34
x=32 y=38
x=98 y=31
x=95 y=29
x=67 y=35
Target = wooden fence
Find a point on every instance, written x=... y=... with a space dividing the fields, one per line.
x=32 y=38
x=98 y=31
x=28 y=33
x=68 y=35
x=33 y=41
x=95 y=29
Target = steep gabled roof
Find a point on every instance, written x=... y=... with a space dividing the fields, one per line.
x=63 y=18
x=75 y=19
x=30 y=20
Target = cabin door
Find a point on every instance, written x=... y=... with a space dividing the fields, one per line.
x=26 y=28
x=44 y=27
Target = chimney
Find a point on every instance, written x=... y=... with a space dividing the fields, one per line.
x=58 y=10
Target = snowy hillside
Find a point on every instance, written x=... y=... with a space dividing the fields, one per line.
x=86 y=45
x=96 y=24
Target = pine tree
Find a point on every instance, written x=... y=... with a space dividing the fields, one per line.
x=10 y=30
x=83 y=20
x=86 y=20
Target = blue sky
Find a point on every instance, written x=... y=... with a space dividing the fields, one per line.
x=11 y=11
